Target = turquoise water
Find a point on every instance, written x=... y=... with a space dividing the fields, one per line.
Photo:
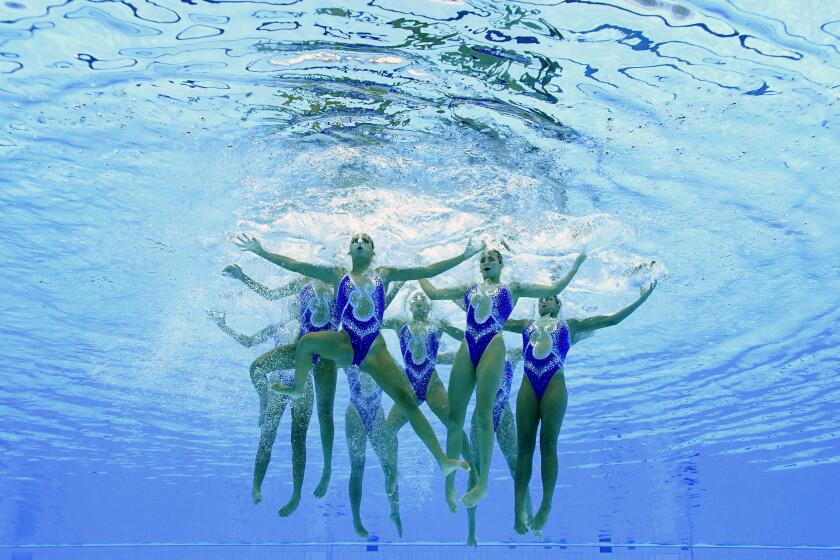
x=136 y=139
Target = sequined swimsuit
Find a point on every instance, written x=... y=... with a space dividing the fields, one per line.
x=540 y=369
x=420 y=374
x=313 y=307
x=361 y=330
x=481 y=330
x=365 y=395
x=502 y=395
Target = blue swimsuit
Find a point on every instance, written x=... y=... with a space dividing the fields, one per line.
x=419 y=374
x=365 y=395
x=482 y=329
x=541 y=368
x=317 y=312
x=353 y=301
x=502 y=395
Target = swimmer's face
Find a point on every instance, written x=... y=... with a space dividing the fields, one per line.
x=549 y=306
x=361 y=246
x=420 y=306
x=490 y=264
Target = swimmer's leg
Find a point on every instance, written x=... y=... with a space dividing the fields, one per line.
x=356 y=446
x=552 y=410
x=461 y=385
x=281 y=357
x=381 y=366
x=488 y=374
x=527 y=421
x=301 y=414
x=383 y=441
x=473 y=444
x=396 y=420
x=268 y=433
x=325 y=380
x=330 y=345
x=439 y=404
x=506 y=436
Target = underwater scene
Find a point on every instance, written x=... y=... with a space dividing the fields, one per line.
x=305 y=279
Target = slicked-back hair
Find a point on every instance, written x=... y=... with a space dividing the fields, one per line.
x=498 y=255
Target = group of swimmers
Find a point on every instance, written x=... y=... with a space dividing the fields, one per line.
x=341 y=319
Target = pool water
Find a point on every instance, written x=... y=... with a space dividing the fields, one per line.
x=137 y=138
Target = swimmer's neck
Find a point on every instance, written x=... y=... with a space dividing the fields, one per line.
x=361 y=265
x=491 y=280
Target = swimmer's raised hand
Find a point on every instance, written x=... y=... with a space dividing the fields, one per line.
x=233 y=271
x=473 y=247
x=217 y=317
x=246 y=242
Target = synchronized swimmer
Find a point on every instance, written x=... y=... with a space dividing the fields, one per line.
x=341 y=315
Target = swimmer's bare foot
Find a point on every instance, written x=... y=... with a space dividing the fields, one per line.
x=449 y=466
x=520 y=523
x=475 y=495
x=540 y=519
x=471 y=540
x=293 y=392
x=256 y=495
x=321 y=489
x=360 y=529
x=290 y=506
x=451 y=494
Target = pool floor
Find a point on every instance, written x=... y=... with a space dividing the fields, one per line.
x=431 y=551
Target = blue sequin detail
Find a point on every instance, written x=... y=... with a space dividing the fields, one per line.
x=310 y=300
x=362 y=332
x=419 y=375
x=367 y=401
x=478 y=335
x=502 y=395
x=541 y=370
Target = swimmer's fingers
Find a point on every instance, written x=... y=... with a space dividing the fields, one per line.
x=232 y=270
x=474 y=248
x=216 y=316
x=247 y=243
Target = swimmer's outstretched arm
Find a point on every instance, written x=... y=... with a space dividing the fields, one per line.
x=455 y=294
x=247 y=341
x=393 y=324
x=547 y=290
x=447 y=358
x=390 y=274
x=331 y=274
x=516 y=325
x=293 y=287
x=392 y=292
x=580 y=326
x=452 y=331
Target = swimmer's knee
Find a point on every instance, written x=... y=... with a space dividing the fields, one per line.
x=404 y=398
x=306 y=345
x=483 y=415
x=548 y=444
